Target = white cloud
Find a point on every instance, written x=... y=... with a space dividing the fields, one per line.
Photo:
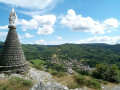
x=45 y=30
x=32 y=7
x=29 y=4
x=45 y=20
x=3 y=27
x=101 y=39
x=108 y=31
x=27 y=35
x=43 y=24
x=54 y=43
x=111 y=23
x=58 y=37
x=41 y=42
x=27 y=25
x=59 y=42
x=3 y=35
x=87 y=24
x=95 y=39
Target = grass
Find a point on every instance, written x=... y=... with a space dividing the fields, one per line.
x=37 y=63
x=23 y=81
x=67 y=80
x=91 y=83
x=77 y=81
x=102 y=81
x=15 y=83
x=58 y=74
x=3 y=83
x=81 y=80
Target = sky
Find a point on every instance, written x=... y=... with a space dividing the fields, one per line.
x=55 y=22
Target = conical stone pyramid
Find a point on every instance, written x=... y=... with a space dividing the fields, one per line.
x=12 y=58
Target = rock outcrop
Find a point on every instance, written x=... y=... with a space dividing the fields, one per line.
x=44 y=81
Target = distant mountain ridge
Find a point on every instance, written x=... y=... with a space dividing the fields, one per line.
x=90 y=54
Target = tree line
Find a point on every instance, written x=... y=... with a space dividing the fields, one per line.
x=89 y=54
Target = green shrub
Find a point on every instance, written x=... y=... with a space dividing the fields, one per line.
x=15 y=83
x=93 y=84
x=40 y=67
x=109 y=73
x=102 y=81
x=105 y=82
x=56 y=73
x=3 y=87
x=73 y=85
x=81 y=80
x=83 y=72
x=23 y=81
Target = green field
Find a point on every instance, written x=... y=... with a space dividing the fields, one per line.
x=37 y=62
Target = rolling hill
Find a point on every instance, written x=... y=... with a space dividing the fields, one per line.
x=89 y=54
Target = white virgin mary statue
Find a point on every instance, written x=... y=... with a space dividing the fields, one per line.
x=12 y=17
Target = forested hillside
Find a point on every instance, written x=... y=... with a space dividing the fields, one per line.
x=90 y=54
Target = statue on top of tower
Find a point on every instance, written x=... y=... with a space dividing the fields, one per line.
x=12 y=57
x=12 y=17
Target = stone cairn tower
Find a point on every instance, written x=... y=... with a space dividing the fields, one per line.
x=12 y=58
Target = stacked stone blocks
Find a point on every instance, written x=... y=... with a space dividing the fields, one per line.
x=12 y=57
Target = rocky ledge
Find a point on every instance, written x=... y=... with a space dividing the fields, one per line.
x=44 y=81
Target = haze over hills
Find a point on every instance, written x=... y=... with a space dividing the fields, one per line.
x=89 y=54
